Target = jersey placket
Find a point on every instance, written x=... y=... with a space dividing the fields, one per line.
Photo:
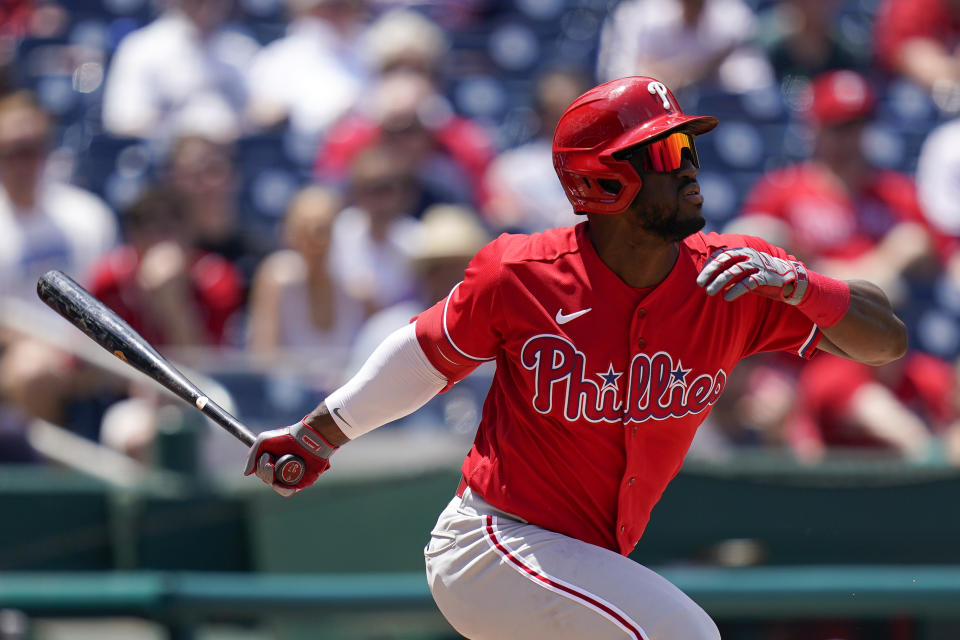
x=627 y=537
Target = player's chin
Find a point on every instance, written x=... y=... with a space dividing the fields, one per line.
x=688 y=210
x=688 y=221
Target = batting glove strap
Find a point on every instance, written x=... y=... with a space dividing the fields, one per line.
x=312 y=441
x=800 y=282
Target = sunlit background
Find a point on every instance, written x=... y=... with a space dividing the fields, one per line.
x=265 y=189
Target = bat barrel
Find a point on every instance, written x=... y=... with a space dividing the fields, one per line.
x=62 y=294
x=106 y=328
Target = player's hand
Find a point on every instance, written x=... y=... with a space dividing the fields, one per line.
x=299 y=440
x=737 y=271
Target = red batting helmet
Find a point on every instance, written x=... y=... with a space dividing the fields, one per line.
x=609 y=118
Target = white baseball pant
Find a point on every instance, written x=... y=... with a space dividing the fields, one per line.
x=494 y=576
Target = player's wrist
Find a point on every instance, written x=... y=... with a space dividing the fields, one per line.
x=823 y=299
x=322 y=420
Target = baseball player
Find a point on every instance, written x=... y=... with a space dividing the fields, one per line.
x=613 y=339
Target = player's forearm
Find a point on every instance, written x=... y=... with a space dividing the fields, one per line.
x=869 y=332
x=396 y=380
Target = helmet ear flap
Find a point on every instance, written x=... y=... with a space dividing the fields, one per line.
x=612 y=187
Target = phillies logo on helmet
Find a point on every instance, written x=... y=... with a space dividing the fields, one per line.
x=656 y=387
x=660 y=89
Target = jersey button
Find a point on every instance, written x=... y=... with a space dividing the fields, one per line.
x=641 y=343
x=634 y=429
x=641 y=312
x=630 y=482
x=622 y=528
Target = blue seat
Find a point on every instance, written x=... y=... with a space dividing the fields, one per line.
x=761 y=106
x=115 y=168
x=724 y=193
x=480 y=96
x=269 y=176
x=907 y=106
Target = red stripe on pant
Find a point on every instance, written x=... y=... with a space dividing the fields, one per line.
x=624 y=622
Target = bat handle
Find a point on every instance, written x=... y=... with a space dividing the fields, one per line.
x=222 y=417
x=289 y=469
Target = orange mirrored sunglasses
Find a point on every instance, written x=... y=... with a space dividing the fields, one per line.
x=665 y=154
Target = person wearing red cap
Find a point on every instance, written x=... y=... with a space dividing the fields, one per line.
x=840 y=214
x=613 y=340
x=918 y=39
x=838 y=211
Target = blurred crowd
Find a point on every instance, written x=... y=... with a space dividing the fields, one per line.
x=285 y=182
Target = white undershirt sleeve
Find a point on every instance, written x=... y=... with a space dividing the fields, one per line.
x=396 y=380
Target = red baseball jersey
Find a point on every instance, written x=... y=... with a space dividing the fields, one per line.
x=599 y=386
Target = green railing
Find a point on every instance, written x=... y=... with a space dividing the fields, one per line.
x=728 y=593
x=856 y=539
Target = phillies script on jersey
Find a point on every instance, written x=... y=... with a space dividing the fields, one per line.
x=600 y=386
x=655 y=386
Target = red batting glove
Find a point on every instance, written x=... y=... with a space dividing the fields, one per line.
x=298 y=439
x=742 y=270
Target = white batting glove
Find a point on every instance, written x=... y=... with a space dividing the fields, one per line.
x=737 y=271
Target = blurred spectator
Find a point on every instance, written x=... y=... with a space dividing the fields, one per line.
x=451 y=15
x=14 y=25
x=165 y=286
x=938 y=177
x=44 y=224
x=296 y=305
x=170 y=291
x=524 y=193
x=838 y=211
x=447 y=238
x=682 y=43
x=204 y=172
x=8 y=82
x=405 y=113
x=315 y=73
x=757 y=401
x=182 y=73
x=406 y=40
x=372 y=237
x=900 y=407
x=918 y=39
x=938 y=183
x=15 y=17
x=802 y=39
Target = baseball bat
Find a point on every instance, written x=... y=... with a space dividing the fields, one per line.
x=62 y=294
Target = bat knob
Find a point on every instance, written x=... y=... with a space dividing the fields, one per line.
x=289 y=469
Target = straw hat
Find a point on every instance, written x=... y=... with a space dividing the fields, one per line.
x=447 y=231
